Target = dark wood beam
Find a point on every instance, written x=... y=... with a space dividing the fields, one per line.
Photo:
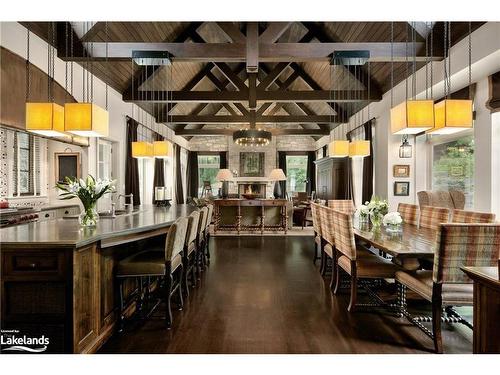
x=231 y=119
x=252 y=91
x=274 y=31
x=93 y=31
x=273 y=75
x=229 y=132
x=423 y=29
x=252 y=49
x=232 y=76
x=340 y=96
x=232 y=32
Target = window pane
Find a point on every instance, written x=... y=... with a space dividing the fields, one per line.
x=24 y=159
x=23 y=140
x=24 y=186
x=453 y=168
x=208 y=166
x=296 y=173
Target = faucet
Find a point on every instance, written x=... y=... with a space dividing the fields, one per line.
x=128 y=206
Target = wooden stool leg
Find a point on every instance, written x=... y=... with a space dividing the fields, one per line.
x=337 y=279
x=193 y=268
x=185 y=274
x=168 y=295
x=437 y=310
x=354 y=288
x=181 y=286
x=334 y=270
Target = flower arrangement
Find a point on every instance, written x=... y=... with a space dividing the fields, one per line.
x=377 y=209
x=363 y=210
x=88 y=191
x=393 y=221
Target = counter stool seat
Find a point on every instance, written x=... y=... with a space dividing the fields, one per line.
x=146 y=263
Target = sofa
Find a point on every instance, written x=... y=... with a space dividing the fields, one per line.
x=449 y=199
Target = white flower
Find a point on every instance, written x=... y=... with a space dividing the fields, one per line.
x=363 y=210
x=393 y=218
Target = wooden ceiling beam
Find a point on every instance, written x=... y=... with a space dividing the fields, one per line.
x=232 y=76
x=229 y=132
x=232 y=32
x=93 y=31
x=273 y=75
x=245 y=119
x=252 y=47
x=274 y=31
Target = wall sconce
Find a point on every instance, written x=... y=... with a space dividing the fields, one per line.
x=405 y=150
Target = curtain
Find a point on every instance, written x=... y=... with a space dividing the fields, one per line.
x=311 y=172
x=131 y=166
x=325 y=151
x=159 y=174
x=179 y=194
x=192 y=174
x=282 y=165
x=349 y=180
x=223 y=159
x=367 y=190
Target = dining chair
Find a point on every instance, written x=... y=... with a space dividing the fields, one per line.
x=462 y=216
x=409 y=213
x=327 y=224
x=202 y=224
x=190 y=249
x=166 y=264
x=432 y=217
x=354 y=259
x=316 y=220
x=342 y=205
x=207 y=230
x=306 y=216
x=457 y=245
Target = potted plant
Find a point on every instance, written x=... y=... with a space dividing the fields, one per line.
x=88 y=191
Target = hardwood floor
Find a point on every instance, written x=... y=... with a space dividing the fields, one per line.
x=264 y=295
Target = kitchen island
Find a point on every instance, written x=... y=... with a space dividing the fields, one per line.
x=57 y=278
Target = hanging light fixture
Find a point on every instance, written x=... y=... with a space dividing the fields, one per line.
x=453 y=115
x=162 y=149
x=87 y=119
x=141 y=149
x=338 y=149
x=412 y=116
x=44 y=118
x=359 y=148
x=406 y=149
x=252 y=137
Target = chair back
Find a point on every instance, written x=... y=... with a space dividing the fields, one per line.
x=203 y=221
x=176 y=238
x=301 y=196
x=342 y=205
x=209 y=215
x=344 y=234
x=462 y=216
x=409 y=213
x=465 y=245
x=192 y=229
x=315 y=212
x=449 y=199
x=431 y=217
x=327 y=222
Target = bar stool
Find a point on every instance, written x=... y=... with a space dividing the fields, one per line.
x=165 y=264
x=200 y=240
x=207 y=230
x=190 y=249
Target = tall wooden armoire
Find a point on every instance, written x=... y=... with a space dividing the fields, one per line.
x=331 y=174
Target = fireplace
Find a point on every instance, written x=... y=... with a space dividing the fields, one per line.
x=258 y=188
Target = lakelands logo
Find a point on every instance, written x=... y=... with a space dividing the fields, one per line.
x=22 y=343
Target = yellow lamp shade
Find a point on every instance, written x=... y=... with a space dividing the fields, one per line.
x=161 y=149
x=86 y=120
x=142 y=149
x=452 y=116
x=338 y=149
x=45 y=119
x=412 y=117
x=359 y=148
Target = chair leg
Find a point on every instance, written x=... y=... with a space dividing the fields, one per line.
x=354 y=288
x=334 y=269
x=208 y=247
x=181 y=286
x=120 y=293
x=193 y=268
x=322 y=268
x=185 y=274
x=315 y=253
x=168 y=295
x=437 y=310
x=337 y=279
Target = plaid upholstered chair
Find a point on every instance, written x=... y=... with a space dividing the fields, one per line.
x=431 y=217
x=457 y=245
x=202 y=225
x=342 y=205
x=328 y=239
x=189 y=255
x=207 y=229
x=316 y=220
x=409 y=213
x=462 y=216
x=355 y=260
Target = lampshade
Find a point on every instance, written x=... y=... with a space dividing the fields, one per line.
x=338 y=149
x=86 y=119
x=277 y=175
x=412 y=117
x=359 y=148
x=224 y=175
x=45 y=119
x=452 y=116
x=161 y=149
x=142 y=150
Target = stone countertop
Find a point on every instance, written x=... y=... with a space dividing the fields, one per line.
x=67 y=232
x=56 y=206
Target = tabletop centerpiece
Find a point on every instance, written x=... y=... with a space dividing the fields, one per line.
x=393 y=221
x=363 y=213
x=88 y=191
x=377 y=208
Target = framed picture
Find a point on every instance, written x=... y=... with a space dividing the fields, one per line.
x=401 y=170
x=67 y=164
x=401 y=188
x=252 y=164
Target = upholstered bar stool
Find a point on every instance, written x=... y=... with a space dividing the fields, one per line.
x=190 y=249
x=458 y=245
x=200 y=240
x=207 y=230
x=326 y=239
x=409 y=213
x=462 y=216
x=318 y=245
x=154 y=263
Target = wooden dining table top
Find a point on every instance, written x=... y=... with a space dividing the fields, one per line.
x=412 y=242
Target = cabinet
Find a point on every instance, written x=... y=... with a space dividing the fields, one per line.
x=331 y=176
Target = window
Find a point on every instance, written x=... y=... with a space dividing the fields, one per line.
x=104 y=163
x=296 y=173
x=208 y=166
x=26 y=165
x=453 y=167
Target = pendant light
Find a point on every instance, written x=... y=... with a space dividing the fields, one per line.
x=47 y=118
x=405 y=150
x=141 y=149
x=161 y=149
x=336 y=148
x=87 y=119
x=361 y=148
x=453 y=115
x=411 y=116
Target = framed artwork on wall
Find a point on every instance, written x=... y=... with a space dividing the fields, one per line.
x=67 y=164
x=401 y=170
x=402 y=188
x=252 y=164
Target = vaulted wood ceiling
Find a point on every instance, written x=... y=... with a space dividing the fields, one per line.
x=213 y=95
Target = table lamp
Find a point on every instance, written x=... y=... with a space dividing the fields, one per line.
x=224 y=175
x=277 y=175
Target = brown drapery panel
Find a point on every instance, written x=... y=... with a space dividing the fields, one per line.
x=349 y=191
x=159 y=173
x=192 y=174
x=179 y=195
x=282 y=165
x=131 y=167
x=367 y=190
x=223 y=160
x=311 y=172
x=493 y=102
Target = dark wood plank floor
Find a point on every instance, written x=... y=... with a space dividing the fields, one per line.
x=264 y=295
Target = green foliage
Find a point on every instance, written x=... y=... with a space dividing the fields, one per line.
x=296 y=173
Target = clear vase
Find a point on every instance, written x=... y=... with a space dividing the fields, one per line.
x=376 y=220
x=89 y=216
x=394 y=228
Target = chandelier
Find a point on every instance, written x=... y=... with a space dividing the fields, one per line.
x=252 y=137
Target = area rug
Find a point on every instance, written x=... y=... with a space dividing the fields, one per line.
x=295 y=231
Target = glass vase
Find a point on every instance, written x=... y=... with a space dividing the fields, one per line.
x=89 y=216
x=394 y=228
x=376 y=220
